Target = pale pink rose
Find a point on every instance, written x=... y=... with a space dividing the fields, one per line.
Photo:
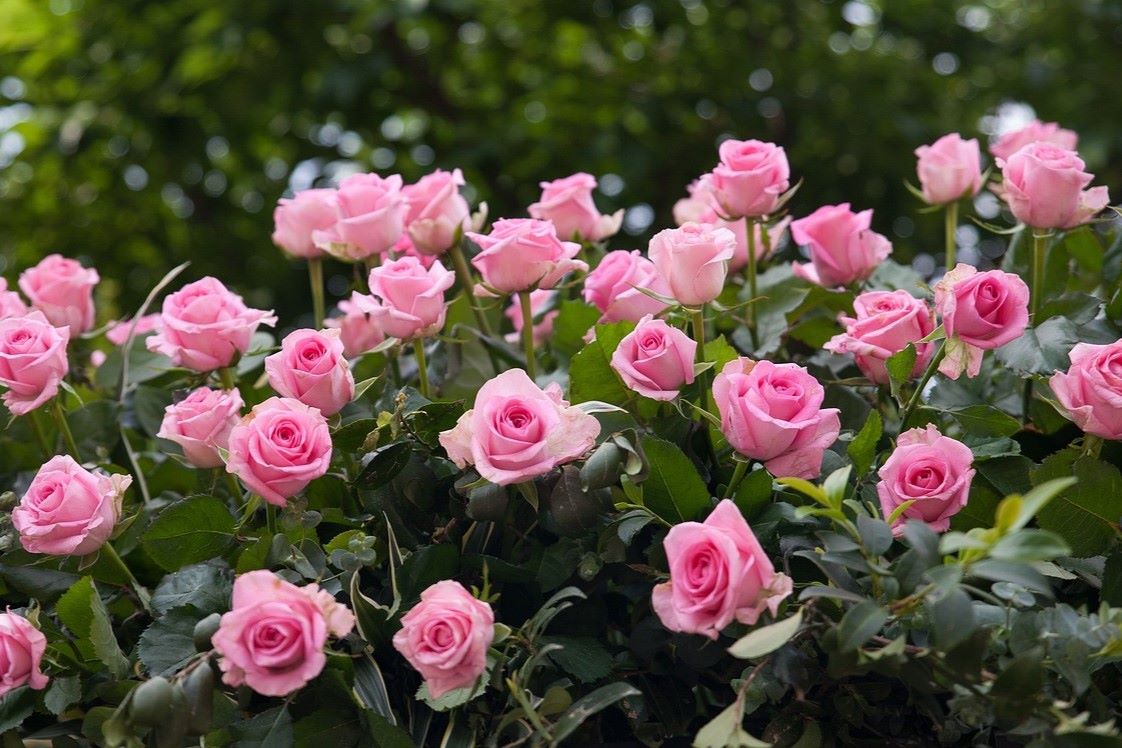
x=204 y=326
x=751 y=178
x=118 y=332
x=517 y=431
x=272 y=639
x=773 y=413
x=1044 y=187
x=68 y=510
x=62 y=290
x=32 y=360
x=370 y=217
x=405 y=248
x=930 y=469
x=521 y=254
x=949 y=169
x=201 y=423
x=279 y=448
x=1090 y=393
x=843 y=249
x=613 y=287
x=568 y=204
x=885 y=322
x=360 y=325
x=980 y=312
x=1034 y=132
x=296 y=219
x=718 y=573
x=437 y=211
x=21 y=654
x=539 y=301
x=310 y=367
x=445 y=637
x=699 y=207
x=693 y=260
x=11 y=305
x=412 y=296
x=655 y=359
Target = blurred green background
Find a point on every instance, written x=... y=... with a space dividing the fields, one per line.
x=136 y=134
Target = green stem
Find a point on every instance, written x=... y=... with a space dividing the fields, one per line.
x=750 y=310
x=315 y=278
x=248 y=512
x=33 y=419
x=463 y=275
x=271 y=519
x=528 y=333
x=1039 y=254
x=235 y=487
x=927 y=374
x=1092 y=445
x=64 y=428
x=228 y=377
x=737 y=476
x=698 y=317
x=422 y=368
x=395 y=367
x=950 y=217
x=138 y=588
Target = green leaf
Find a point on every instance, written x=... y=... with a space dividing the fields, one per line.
x=582 y=657
x=384 y=733
x=426 y=567
x=673 y=490
x=589 y=705
x=985 y=420
x=15 y=707
x=194 y=530
x=206 y=586
x=95 y=428
x=1030 y=545
x=591 y=376
x=766 y=639
x=385 y=464
x=900 y=366
x=428 y=422
x=754 y=493
x=1112 y=579
x=720 y=353
x=725 y=731
x=997 y=570
x=574 y=320
x=863 y=449
x=169 y=642
x=875 y=534
x=62 y=693
x=269 y=729
x=83 y=612
x=352 y=435
x=859 y=624
x=370 y=687
x=1021 y=680
x=951 y=616
x=149 y=403
x=1085 y=514
x=1044 y=349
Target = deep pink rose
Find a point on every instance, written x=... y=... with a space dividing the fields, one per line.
x=521 y=254
x=885 y=322
x=445 y=637
x=613 y=287
x=11 y=305
x=750 y=179
x=310 y=367
x=843 y=249
x=655 y=359
x=539 y=301
x=21 y=654
x=1034 y=132
x=201 y=423
x=1044 y=187
x=370 y=217
x=62 y=290
x=68 y=510
x=296 y=219
x=949 y=169
x=204 y=326
x=279 y=448
x=32 y=360
x=930 y=469
x=568 y=204
x=693 y=260
x=1090 y=393
x=272 y=639
x=980 y=312
x=773 y=413
x=360 y=325
x=412 y=296
x=517 y=431
x=437 y=211
x=718 y=573
x=118 y=332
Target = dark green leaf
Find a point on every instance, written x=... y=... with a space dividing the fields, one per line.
x=206 y=586
x=15 y=707
x=385 y=463
x=191 y=531
x=859 y=624
x=673 y=490
x=83 y=612
x=863 y=449
x=350 y=436
x=574 y=319
x=951 y=616
x=985 y=420
x=169 y=642
x=591 y=376
x=1085 y=515
x=269 y=729
x=62 y=693
x=900 y=366
x=754 y=493
x=589 y=705
x=875 y=534
x=582 y=657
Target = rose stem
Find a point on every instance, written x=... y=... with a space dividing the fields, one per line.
x=737 y=476
x=950 y=220
x=228 y=377
x=750 y=311
x=64 y=427
x=914 y=400
x=422 y=368
x=33 y=419
x=270 y=519
x=315 y=278
x=702 y=380
x=1039 y=254
x=528 y=333
x=138 y=588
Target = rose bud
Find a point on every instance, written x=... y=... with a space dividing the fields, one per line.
x=370 y=217
x=1090 y=393
x=1034 y=132
x=11 y=305
x=23 y=646
x=1044 y=187
x=32 y=361
x=437 y=211
x=360 y=326
x=296 y=219
x=751 y=178
x=568 y=204
x=949 y=169
x=693 y=260
x=613 y=287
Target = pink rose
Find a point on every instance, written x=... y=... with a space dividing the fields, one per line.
x=32 y=360
x=949 y=169
x=517 y=431
x=201 y=423
x=437 y=211
x=568 y=203
x=1043 y=186
x=613 y=287
x=22 y=647
x=693 y=260
x=360 y=326
x=930 y=469
x=203 y=326
x=523 y=253
x=310 y=368
x=980 y=311
x=718 y=573
x=296 y=219
x=1090 y=393
x=412 y=296
x=885 y=323
x=1034 y=132
x=699 y=207
x=68 y=510
x=539 y=302
x=370 y=217
x=62 y=290
x=272 y=639
x=11 y=305
x=279 y=448
x=773 y=413
x=655 y=359
x=843 y=249
x=118 y=332
x=751 y=178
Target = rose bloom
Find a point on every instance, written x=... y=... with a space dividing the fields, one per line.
x=843 y=249
x=517 y=431
x=699 y=208
x=118 y=332
x=370 y=217
x=272 y=639
x=437 y=211
x=412 y=296
x=655 y=359
x=773 y=413
x=949 y=169
x=201 y=423
x=32 y=360
x=539 y=301
x=310 y=367
x=693 y=260
x=204 y=326
x=296 y=219
x=751 y=178
x=980 y=311
x=445 y=637
x=68 y=510
x=62 y=290
x=279 y=448
x=21 y=654
x=11 y=305
x=568 y=204
x=930 y=469
x=885 y=323
x=718 y=573
x=1044 y=187
x=360 y=325
x=521 y=254
x=1034 y=132
x=613 y=287
x=1090 y=393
